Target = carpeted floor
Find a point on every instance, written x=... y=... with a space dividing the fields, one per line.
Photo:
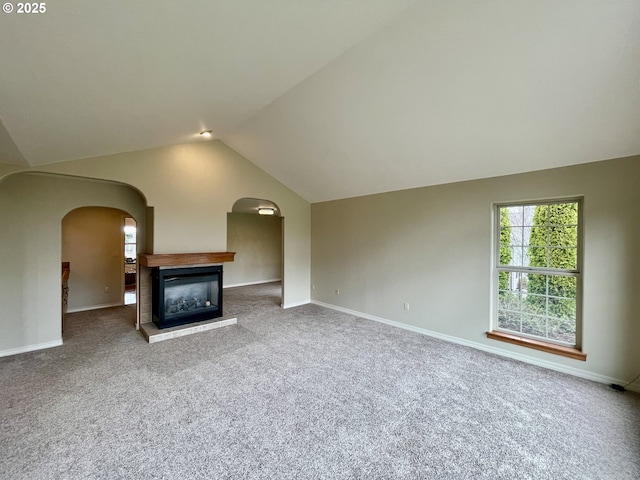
x=299 y=394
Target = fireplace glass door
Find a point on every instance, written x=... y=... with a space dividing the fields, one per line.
x=186 y=295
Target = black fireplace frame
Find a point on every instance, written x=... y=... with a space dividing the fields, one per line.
x=160 y=276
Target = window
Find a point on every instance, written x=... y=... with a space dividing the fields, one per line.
x=130 y=240
x=538 y=258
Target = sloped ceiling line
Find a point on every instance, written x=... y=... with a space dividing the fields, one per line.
x=334 y=99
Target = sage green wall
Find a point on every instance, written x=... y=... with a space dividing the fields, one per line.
x=432 y=247
x=6 y=169
x=189 y=189
x=257 y=241
x=32 y=206
x=92 y=241
x=192 y=187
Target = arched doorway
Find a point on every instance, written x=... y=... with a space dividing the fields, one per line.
x=99 y=243
x=113 y=206
x=255 y=233
x=32 y=248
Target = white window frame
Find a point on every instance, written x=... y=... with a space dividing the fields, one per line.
x=576 y=273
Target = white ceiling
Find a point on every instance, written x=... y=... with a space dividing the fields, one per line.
x=333 y=98
x=89 y=78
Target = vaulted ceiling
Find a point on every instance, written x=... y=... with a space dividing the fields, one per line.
x=333 y=98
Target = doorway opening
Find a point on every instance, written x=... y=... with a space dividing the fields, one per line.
x=97 y=250
x=255 y=233
x=130 y=264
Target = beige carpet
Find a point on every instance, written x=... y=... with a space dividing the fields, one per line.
x=299 y=394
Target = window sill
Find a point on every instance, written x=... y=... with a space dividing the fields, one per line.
x=538 y=345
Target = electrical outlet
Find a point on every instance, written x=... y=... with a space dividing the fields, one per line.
x=406 y=306
x=337 y=291
x=313 y=287
x=106 y=289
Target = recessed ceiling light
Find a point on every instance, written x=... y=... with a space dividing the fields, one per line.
x=206 y=133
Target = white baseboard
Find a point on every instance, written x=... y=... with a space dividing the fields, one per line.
x=596 y=377
x=94 y=307
x=297 y=304
x=30 y=348
x=252 y=283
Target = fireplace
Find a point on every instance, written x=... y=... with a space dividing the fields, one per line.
x=186 y=295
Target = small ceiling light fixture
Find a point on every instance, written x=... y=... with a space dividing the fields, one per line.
x=206 y=133
x=266 y=211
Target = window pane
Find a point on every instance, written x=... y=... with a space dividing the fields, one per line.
x=518 y=258
x=509 y=301
x=563 y=236
x=563 y=308
x=535 y=304
x=561 y=286
x=563 y=214
x=504 y=283
x=509 y=321
x=537 y=284
x=539 y=235
x=512 y=282
x=562 y=330
x=518 y=283
x=534 y=325
x=515 y=215
x=540 y=215
x=565 y=258
x=504 y=217
x=538 y=256
x=130 y=251
x=505 y=236
x=517 y=237
x=526 y=236
x=129 y=234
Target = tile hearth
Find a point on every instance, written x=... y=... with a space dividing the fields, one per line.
x=153 y=334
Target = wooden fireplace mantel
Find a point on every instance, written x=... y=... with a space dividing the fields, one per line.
x=178 y=259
